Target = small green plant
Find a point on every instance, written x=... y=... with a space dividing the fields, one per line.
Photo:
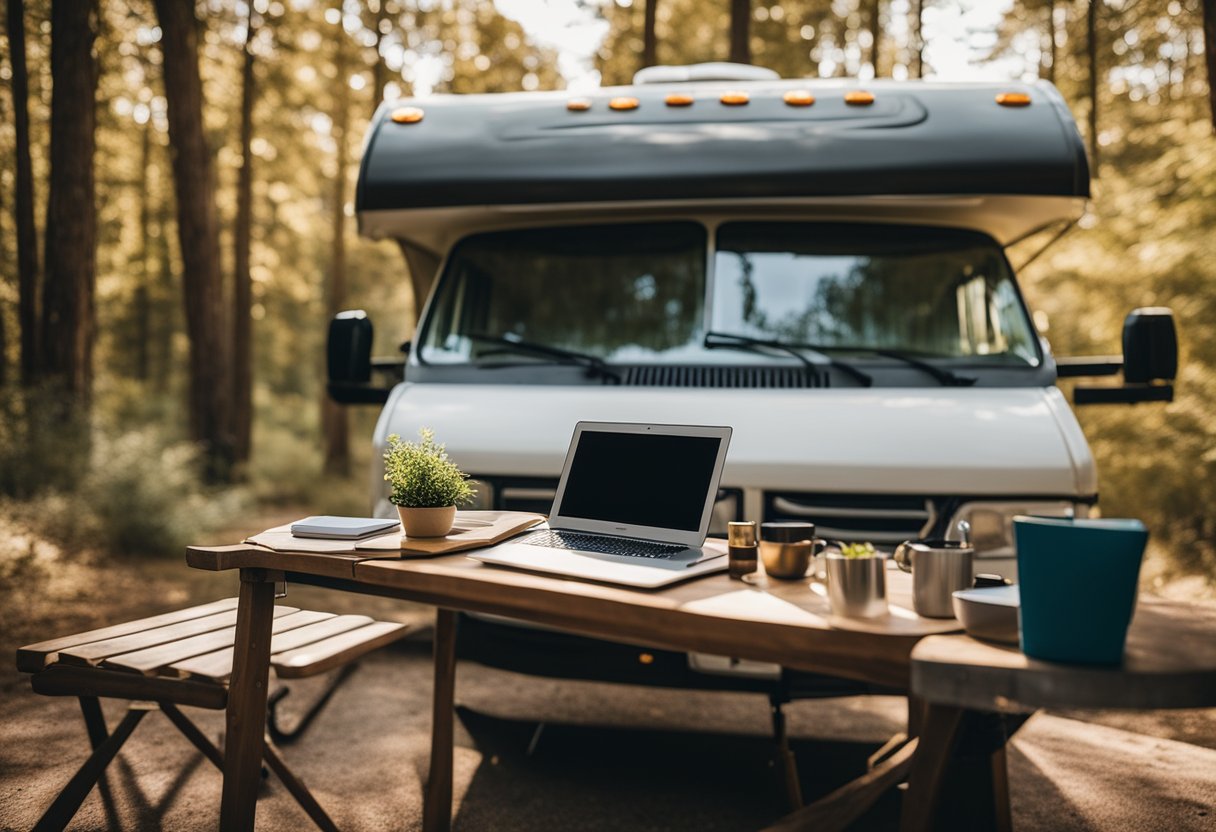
x=421 y=475
x=858 y=550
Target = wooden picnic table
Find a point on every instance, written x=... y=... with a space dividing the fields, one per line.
x=785 y=622
x=966 y=697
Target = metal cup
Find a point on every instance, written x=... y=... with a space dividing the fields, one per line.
x=857 y=587
x=939 y=568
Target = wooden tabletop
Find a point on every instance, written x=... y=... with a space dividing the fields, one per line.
x=787 y=622
x=1169 y=662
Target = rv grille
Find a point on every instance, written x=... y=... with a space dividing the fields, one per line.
x=661 y=375
x=884 y=519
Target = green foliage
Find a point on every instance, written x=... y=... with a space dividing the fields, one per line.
x=142 y=496
x=132 y=494
x=858 y=550
x=33 y=424
x=422 y=476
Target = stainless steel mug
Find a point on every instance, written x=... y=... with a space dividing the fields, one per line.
x=939 y=568
x=857 y=587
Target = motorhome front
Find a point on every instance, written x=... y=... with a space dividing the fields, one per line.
x=828 y=278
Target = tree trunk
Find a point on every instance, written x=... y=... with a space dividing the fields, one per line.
x=1091 y=46
x=242 y=295
x=333 y=415
x=143 y=293
x=875 y=22
x=71 y=222
x=650 y=43
x=740 y=31
x=203 y=295
x=166 y=292
x=379 y=69
x=918 y=39
x=6 y=259
x=1209 y=53
x=23 y=199
x=1051 y=40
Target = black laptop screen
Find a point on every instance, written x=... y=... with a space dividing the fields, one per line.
x=642 y=479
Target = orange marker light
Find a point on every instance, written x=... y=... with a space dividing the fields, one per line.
x=798 y=98
x=624 y=102
x=1013 y=99
x=645 y=658
x=859 y=98
x=578 y=105
x=678 y=99
x=406 y=115
x=734 y=99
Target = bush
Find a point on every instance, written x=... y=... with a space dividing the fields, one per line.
x=33 y=424
x=143 y=496
x=133 y=494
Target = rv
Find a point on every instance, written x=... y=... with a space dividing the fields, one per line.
x=819 y=264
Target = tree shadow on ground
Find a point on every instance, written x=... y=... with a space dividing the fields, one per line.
x=607 y=777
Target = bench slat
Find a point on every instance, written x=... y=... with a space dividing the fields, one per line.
x=63 y=680
x=32 y=657
x=94 y=652
x=338 y=650
x=217 y=666
x=316 y=632
x=150 y=659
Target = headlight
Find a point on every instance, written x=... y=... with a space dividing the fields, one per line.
x=483 y=500
x=992 y=522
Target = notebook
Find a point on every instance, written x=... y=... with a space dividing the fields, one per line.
x=632 y=507
x=328 y=527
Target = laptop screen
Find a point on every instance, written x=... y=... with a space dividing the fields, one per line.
x=640 y=479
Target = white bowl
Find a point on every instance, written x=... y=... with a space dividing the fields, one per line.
x=989 y=613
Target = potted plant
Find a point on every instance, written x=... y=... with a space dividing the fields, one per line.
x=857 y=581
x=426 y=486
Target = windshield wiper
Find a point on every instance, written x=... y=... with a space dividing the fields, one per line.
x=730 y=340
x=594 y=364
x=947 y=377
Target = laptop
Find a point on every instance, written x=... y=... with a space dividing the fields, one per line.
x=632 y=507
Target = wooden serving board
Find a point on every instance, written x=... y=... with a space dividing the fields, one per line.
x=472 y=530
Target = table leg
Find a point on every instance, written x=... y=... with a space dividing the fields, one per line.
x=938 y=733
x=246 y=717
x=1002 y=817
x=437 y=808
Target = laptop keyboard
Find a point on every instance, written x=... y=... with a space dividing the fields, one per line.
x=602 y=544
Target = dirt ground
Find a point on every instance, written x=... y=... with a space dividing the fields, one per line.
x=533 y=753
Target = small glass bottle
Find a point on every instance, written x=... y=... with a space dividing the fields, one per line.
x=742 y=548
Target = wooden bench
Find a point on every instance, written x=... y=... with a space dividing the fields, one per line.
x=185 y=657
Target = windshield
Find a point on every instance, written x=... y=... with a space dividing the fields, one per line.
x=929 y=292
x=637 y=293
x=618 y=292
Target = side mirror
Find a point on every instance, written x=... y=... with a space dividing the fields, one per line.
x=1150 y=346
x=1150 y=362
x=349 y=360
x=349 y=348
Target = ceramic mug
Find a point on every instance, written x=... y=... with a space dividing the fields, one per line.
x=789 y=561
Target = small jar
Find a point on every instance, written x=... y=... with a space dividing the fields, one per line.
x=742 y=548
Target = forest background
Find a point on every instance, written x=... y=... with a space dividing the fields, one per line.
x=176 y=229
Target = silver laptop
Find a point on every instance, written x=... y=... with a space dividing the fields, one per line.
x=632 y=507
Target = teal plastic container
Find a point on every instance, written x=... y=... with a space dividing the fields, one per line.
x=1078 y=582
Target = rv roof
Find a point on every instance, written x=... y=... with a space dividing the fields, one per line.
x=458 y=154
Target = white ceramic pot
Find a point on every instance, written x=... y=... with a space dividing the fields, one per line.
x=427 y=522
